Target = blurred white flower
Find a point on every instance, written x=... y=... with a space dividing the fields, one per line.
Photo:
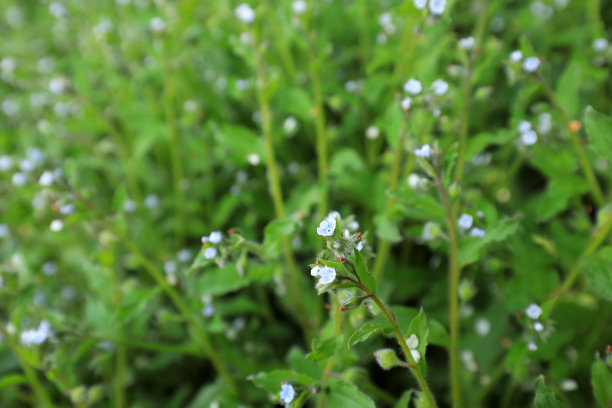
x=326 y=227
x=290 y=125
x=49 y=268
x=215 y=237
x=420 y=4
x=170 y=267
x=45 y=65
x=524 y=126
x=423 y=151
x=129 y=206
x=516 y=56
x=531 y=346
x=66 y=209
x=56 y=225
x=477 y=232
x=482 y=326
x=151 y=201
x=533 y=311
x=4 y=230
x=568 y=385
x=298 y=7
x=531 y=64
x=539 y=327
x=467 y=357
x=58 y=10
x=184 y=255
x=600 y=44
x=253 y=159
x=412 y=342
x=431 y=230
x=10 y=107
x=415 y=355
x=6 y=163
x=245 y=13
x=19 y=179
x=287 y=393
x=103 y=27
x=157 y=24
x=35 y=154
x=36 y=336
x=413 y=86
x=46 y=179
x=466 y=43
x=372 y=132
x=440 y=87
x=437 y=6
x=529 y=138
x=210 y=252
x=406 y=102
x=465 y=221
x=544 y=122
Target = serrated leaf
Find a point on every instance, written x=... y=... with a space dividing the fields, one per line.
x=361 y=268
x=599 y=128
x=596 y=268
x=601 y=380
x=369 y=329
x=545 y=397
x=343 y=394
x=322 y=349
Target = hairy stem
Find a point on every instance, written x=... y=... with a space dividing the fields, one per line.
x=465 y=122
x=453 y=271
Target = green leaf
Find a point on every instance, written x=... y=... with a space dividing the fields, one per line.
x=271 y=381
x=599 y=128
x=404 y=400
x=361 y=268
x=568 y=87
x=394 y=124
x=596 y=269
x=449 y=162
x=322 y=349
x=274 y=233
x=367 y=330
x=601 y=379
x=343 y=394
x=545 y=397
x=10 y=380
x=469 y=249
x=419 y=327
x=419 y=204
x=219 y=281
x=386 y=229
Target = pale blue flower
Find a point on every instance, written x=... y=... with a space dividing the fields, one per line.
x=326 y=227
x=516 y=56
x=420 y=4
x=467 y=43
x=287 y=393
x=210 y=252
x=423 y=151
x=529 y=138
x=533 y=311
x=440 y=87
x=600 y=44
x=465 y=221
x=215 y=237
x=539 y=327
x=531 y=346
x=477 y=232
x=524 y=126
x=245 y=13
x=326 y=274
x=413 y=86
x=208 y=310
x=359 y=246
x=406 y=102
x=437 y=6
x=531 y=64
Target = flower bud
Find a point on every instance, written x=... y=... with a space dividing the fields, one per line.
x=386 y=358
x=454 y=190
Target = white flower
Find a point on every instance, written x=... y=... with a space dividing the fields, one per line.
x=290 y=125
x=544 y=122
x=325 y=273
x=437 y=6
x=533 y=311
x=299 y=7
x=420 y=4
x=353 y=225
x=58 y=85
x=440 y=87
x=359 y=246
x=129 y=206
x=531 y=64
x=600 y=44
x=208 y=310
x=245 y=13
x=431 y=230
x=103 y=27
x=423 y=151
x=372 y=132
x=406 y=102
x=467 y=357
x=326 y=227
x=204 y=239
x=412 y=342
x=49 y=268
x=287 y=393
x=4 y=230
x=170 y=267
x=531 y=346
x=333 y=215
x=57 y=9
x=19 y=179
x=416 y=355
x=215 y=237
x=253 y=159
x=56 y=225
x=46 y=179
x=210 y=252
x=157 y=24
x=190 y=105
x=477 y=232
x=36 y=336
x=539 y=327
x=6 y=163
x=8 y=65
x=524 y=126
x=529 y=138
x=516 y=56
x=568 y=385
x=413 y=86
x=482 y=326
x=10 y=107
x=466 y=43
x=151 y=201
x=66 y=209
x=417 y=182
x=184 y=255
x=465 y=221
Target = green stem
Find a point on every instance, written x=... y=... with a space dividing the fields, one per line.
x=454 y=271
x=275 y=191
x=337 y=317
x=414 y=368
x=29 y=372
x=595 y=242
x=576 y=144
x=465 y=122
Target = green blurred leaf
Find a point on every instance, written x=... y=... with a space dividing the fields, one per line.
x=343 y=394
x=274 y=233
x=545 y=397
x=271 y=381
x=597 y=268
x=361 y=268
x=322 y=349
x=601 y=380
x=599 y=128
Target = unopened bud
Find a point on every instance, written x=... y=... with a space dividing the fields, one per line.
x=386 y=358
x=574 y=126
x=454 y=190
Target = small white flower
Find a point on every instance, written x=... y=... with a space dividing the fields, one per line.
x=19 y=179
x=8 y=65
x=287 y=393
x=531 y=346
x=431 y=230
x=529 y=138
x=58 y=9
x=4 y=230
x=157 y=24
x=483 y=326
x=326 y=275
x=406 y=102
x=359 y=246
x=516 y=56
x=210 y=252
x=437 y=6
x=353 y=225
x=190 y=105
x=465 y=221
x=204 y=239
x=66 y=209
x=215 y=237
x=208 y=310
x=414 y=180
x=253 y=159
x=315 y=270
x=524 y=126
x=440 y=87
x=544 y=122
x=10 y=107
x=56 y=225
x=58 y=85
x=184 y=255
x=466 y=43
x=46 y=179
x=600 y=44
x=413 y=86
x=6 y=162
x=346 y=233
x=103 y=27
x=423 y=151
x=415 y=355
x=298 y=7
x=420 y=4
x=412 y=342
x=36 y=155
x=129 y=206
x=533 y=311
x=467 y=357
x=290 y=125
x=245 y=13
x=49 y=268
x=372 y=132
x=151 y=201
x=477 y=232
x=539 y=327
x=531 y=64
x=568 y=385
x=326 y=227
x=170 y=267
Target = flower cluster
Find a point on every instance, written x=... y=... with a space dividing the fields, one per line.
x=528 y=136
x=431 y=96
x=210 y=251
x=465 y=222
x=36 y=336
